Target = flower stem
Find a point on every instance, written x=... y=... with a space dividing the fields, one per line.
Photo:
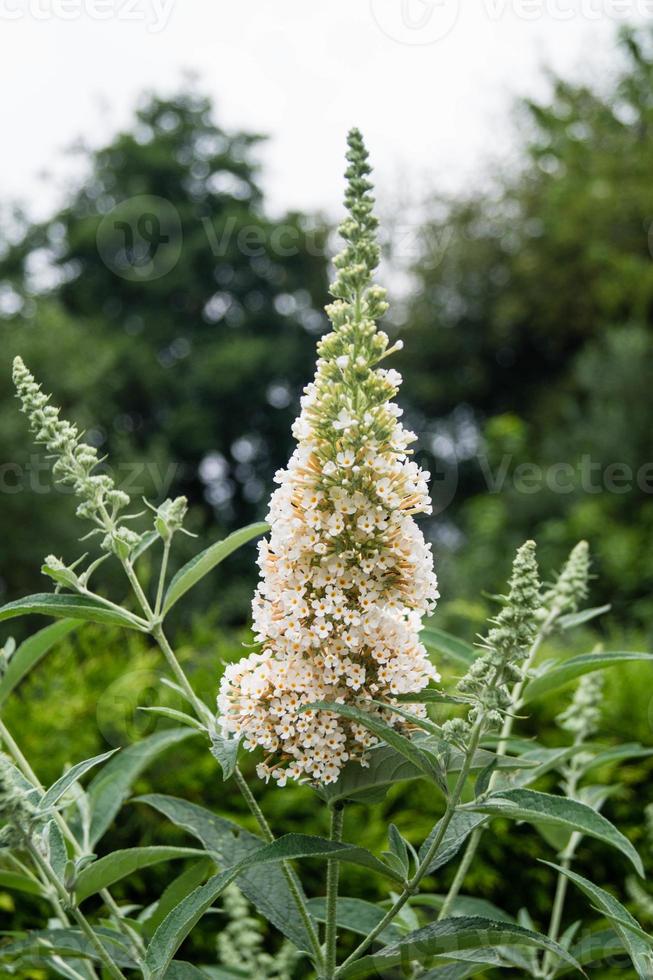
x=423 y=867
x=298 y=898
x=333 y=870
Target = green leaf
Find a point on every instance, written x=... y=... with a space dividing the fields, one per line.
x=370 y=784
x=119 y=864
x=179 y=970
x=58 y=789
x=638 y=950
x=71 y=607
x=543 y=761
x=452 y=648
x=19 y=883
x=69 y=944
x=462 y=824
x=181 y=886
x=357 y=916
x=58 y=855
x=568 y=670
x=576 y=619
x=450 y=936
x=617 y=753
x=31 y=652
x=225 y=750
x=111 y=787
x=201 y=564
x=535 y=807
x=176 y=926
x=421 y=760
x=265 y=887
x=464 y=905
x=593 y=946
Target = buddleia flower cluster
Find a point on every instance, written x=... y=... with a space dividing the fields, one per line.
x=17 y=814
x=346 y=575
x=76 y=465
x=583 y=715
x=240 y=943
x=489 y=680
x=571 y=587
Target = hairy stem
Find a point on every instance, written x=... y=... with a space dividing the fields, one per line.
x=333 y=872
x=162 y=579
x=298 y=898
x=423 y=867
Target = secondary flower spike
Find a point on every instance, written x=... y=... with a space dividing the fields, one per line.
x=346 y=575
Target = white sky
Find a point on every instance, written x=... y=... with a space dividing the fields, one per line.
x=430 y=82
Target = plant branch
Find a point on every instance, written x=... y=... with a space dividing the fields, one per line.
x=423 y=867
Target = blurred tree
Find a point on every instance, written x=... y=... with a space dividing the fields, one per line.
x=530 y=341
x=166 y=310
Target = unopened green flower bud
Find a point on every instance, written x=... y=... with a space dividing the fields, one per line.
x=17 y=813
x=170 y=517
x=121 y=541
x=61 y=573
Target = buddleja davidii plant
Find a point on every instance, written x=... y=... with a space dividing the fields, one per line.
x=346 y=578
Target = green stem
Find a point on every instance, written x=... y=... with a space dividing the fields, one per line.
x=298 y=898
x=333 y=871
x=79 y=917
x=199 y=707
x=504 y=737
x=162 y=579
x=423 y=867
x=571 y=787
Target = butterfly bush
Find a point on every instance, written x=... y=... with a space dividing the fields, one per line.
x=336 y=692
x=346 y=575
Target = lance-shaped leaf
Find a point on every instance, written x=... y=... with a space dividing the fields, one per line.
x=71 y=607
x=181 y=886
x=568 y=670
x=265 y=886
x=431 y=696
x=452 y=935
x=370 y=784
x=19 y=883
x=199 y=566
x=176 y=926
x=31 y=652
x=422 y=761
x=111 y=787
x=119 y=864
x=617 y=753
x=357 y=916
x=69 y=944
x=225 y=751
x=453 y=649
x=462 y=824
x=627 y=928
x=558 y=811
x=57 y=790
x=584 y=616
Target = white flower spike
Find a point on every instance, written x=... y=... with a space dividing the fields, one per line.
x=346 y=575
